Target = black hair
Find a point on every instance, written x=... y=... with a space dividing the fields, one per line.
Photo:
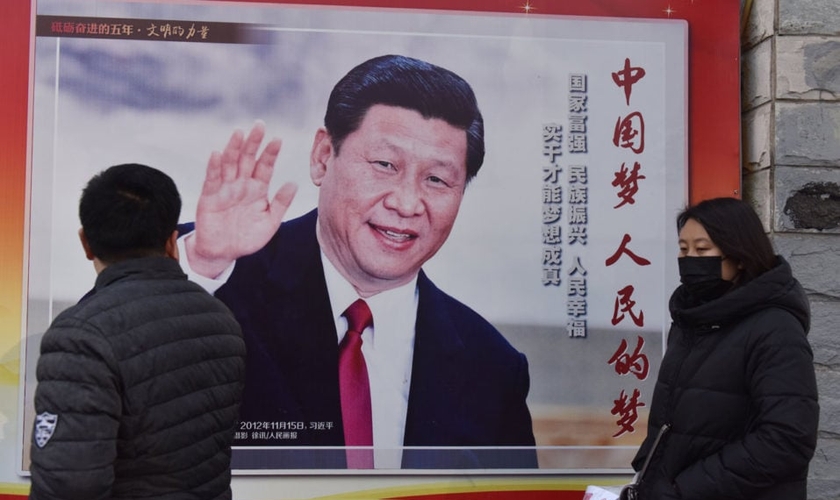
x=735 y=228
x=409 y=83
x=129 y=211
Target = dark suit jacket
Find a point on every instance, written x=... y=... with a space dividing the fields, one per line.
x=468 y=384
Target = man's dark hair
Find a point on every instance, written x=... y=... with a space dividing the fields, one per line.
x=736 y=229
x=401 y=81
x=129 y=211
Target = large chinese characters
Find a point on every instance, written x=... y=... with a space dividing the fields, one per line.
x=628 y=136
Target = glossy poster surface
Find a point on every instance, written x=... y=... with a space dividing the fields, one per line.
x=563 y=116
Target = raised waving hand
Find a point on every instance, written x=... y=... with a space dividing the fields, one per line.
x=235 y=216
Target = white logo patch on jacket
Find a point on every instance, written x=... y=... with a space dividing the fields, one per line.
x=44 y=427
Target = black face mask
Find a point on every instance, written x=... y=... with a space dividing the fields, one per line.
x=701 y=278
x=699 y=269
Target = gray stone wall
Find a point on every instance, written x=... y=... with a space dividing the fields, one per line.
x=791 y=175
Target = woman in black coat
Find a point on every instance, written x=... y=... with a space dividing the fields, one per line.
x=734 y=412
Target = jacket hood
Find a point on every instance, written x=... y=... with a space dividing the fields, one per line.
x=775 y=288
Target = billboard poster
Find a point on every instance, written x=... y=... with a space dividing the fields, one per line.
x=563 y=242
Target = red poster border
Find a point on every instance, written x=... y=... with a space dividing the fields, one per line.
x=714 y=109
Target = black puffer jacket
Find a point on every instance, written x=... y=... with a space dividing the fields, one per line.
x=737 y=391
x=145 y=376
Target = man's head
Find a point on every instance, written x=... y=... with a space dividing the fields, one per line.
x=401 y=140
x=408 y=83
x=129 y=211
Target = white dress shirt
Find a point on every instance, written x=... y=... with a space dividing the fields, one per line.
x=388 y=348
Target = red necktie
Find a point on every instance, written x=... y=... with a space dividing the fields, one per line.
x=355 y=387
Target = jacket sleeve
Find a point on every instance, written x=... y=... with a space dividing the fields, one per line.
x=72 y=454
x=781 y=436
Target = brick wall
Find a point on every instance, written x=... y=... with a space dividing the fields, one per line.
x=791 y=175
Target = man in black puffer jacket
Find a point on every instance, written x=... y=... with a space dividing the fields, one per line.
x=735 y=408
x=139 y=384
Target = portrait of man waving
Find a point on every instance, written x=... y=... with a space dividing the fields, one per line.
x=350 y=344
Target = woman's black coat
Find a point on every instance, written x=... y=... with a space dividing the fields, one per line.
x=738 y=392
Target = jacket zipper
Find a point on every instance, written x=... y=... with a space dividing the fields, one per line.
x=662 y=431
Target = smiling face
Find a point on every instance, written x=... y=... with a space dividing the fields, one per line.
x=695 y=242
x=389 y=198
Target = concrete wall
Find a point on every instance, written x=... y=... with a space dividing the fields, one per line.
x=791 y=175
